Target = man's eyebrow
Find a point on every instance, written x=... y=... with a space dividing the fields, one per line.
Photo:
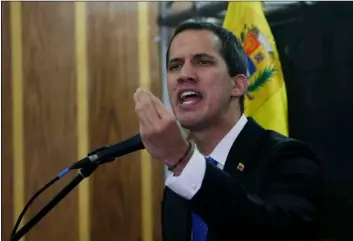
x=197 y=56
x=174 y=60
x=202 y=55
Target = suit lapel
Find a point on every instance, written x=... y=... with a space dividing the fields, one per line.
x=242 y=155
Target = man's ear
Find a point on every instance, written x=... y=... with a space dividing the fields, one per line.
x=240 y=85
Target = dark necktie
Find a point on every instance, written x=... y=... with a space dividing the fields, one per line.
x=199 y=227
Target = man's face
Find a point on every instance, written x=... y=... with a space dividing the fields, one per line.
x=199 y=85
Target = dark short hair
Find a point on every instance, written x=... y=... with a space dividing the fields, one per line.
x=231 y=48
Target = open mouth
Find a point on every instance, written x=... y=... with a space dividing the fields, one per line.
x=189 y=97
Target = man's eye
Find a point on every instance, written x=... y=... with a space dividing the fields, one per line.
x=174 y=67
x=204 y=62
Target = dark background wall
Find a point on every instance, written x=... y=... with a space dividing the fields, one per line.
x=316 y=49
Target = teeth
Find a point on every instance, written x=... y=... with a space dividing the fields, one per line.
x=187 y=93
x=188 y=102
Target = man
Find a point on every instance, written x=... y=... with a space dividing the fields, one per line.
x=239 y=181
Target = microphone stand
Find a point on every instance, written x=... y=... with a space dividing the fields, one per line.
x=84 y=172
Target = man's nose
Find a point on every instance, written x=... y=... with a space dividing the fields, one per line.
x=187 y=73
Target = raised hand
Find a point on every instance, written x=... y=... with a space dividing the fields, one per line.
x=159 y=130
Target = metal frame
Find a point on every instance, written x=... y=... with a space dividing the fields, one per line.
x=164 y=35
x=218 y=9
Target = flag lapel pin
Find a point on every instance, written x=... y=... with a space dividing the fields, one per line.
x=240 y=167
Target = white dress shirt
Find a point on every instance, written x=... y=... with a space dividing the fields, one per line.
x=189 y=181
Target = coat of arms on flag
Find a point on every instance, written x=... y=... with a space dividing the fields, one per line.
x=260 y=57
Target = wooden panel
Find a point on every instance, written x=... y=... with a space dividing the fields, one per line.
x=156 y=88
x=49 y=111
x=82 y=116
x=113 y=71
x=6 y=126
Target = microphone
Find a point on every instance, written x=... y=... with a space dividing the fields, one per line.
x=109 y=153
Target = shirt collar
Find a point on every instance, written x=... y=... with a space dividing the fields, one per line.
x=222 y=149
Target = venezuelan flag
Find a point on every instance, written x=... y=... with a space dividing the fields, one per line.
x=266 y=84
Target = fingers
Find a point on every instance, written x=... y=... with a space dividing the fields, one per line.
x=145 y=110
x=151 y=104
x=143 y=119
x=160 y=108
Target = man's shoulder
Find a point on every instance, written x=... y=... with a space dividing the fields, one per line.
x=281 y=145
x=270 y=144
x=277 y=139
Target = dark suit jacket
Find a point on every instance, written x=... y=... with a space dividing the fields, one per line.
x=275 y=197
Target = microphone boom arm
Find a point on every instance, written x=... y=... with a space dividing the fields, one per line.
x=84 y=172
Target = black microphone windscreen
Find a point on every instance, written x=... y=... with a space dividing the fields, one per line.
x=109 y=153
x=129 y=145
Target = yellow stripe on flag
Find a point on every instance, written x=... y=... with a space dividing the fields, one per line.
x=266 y=84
